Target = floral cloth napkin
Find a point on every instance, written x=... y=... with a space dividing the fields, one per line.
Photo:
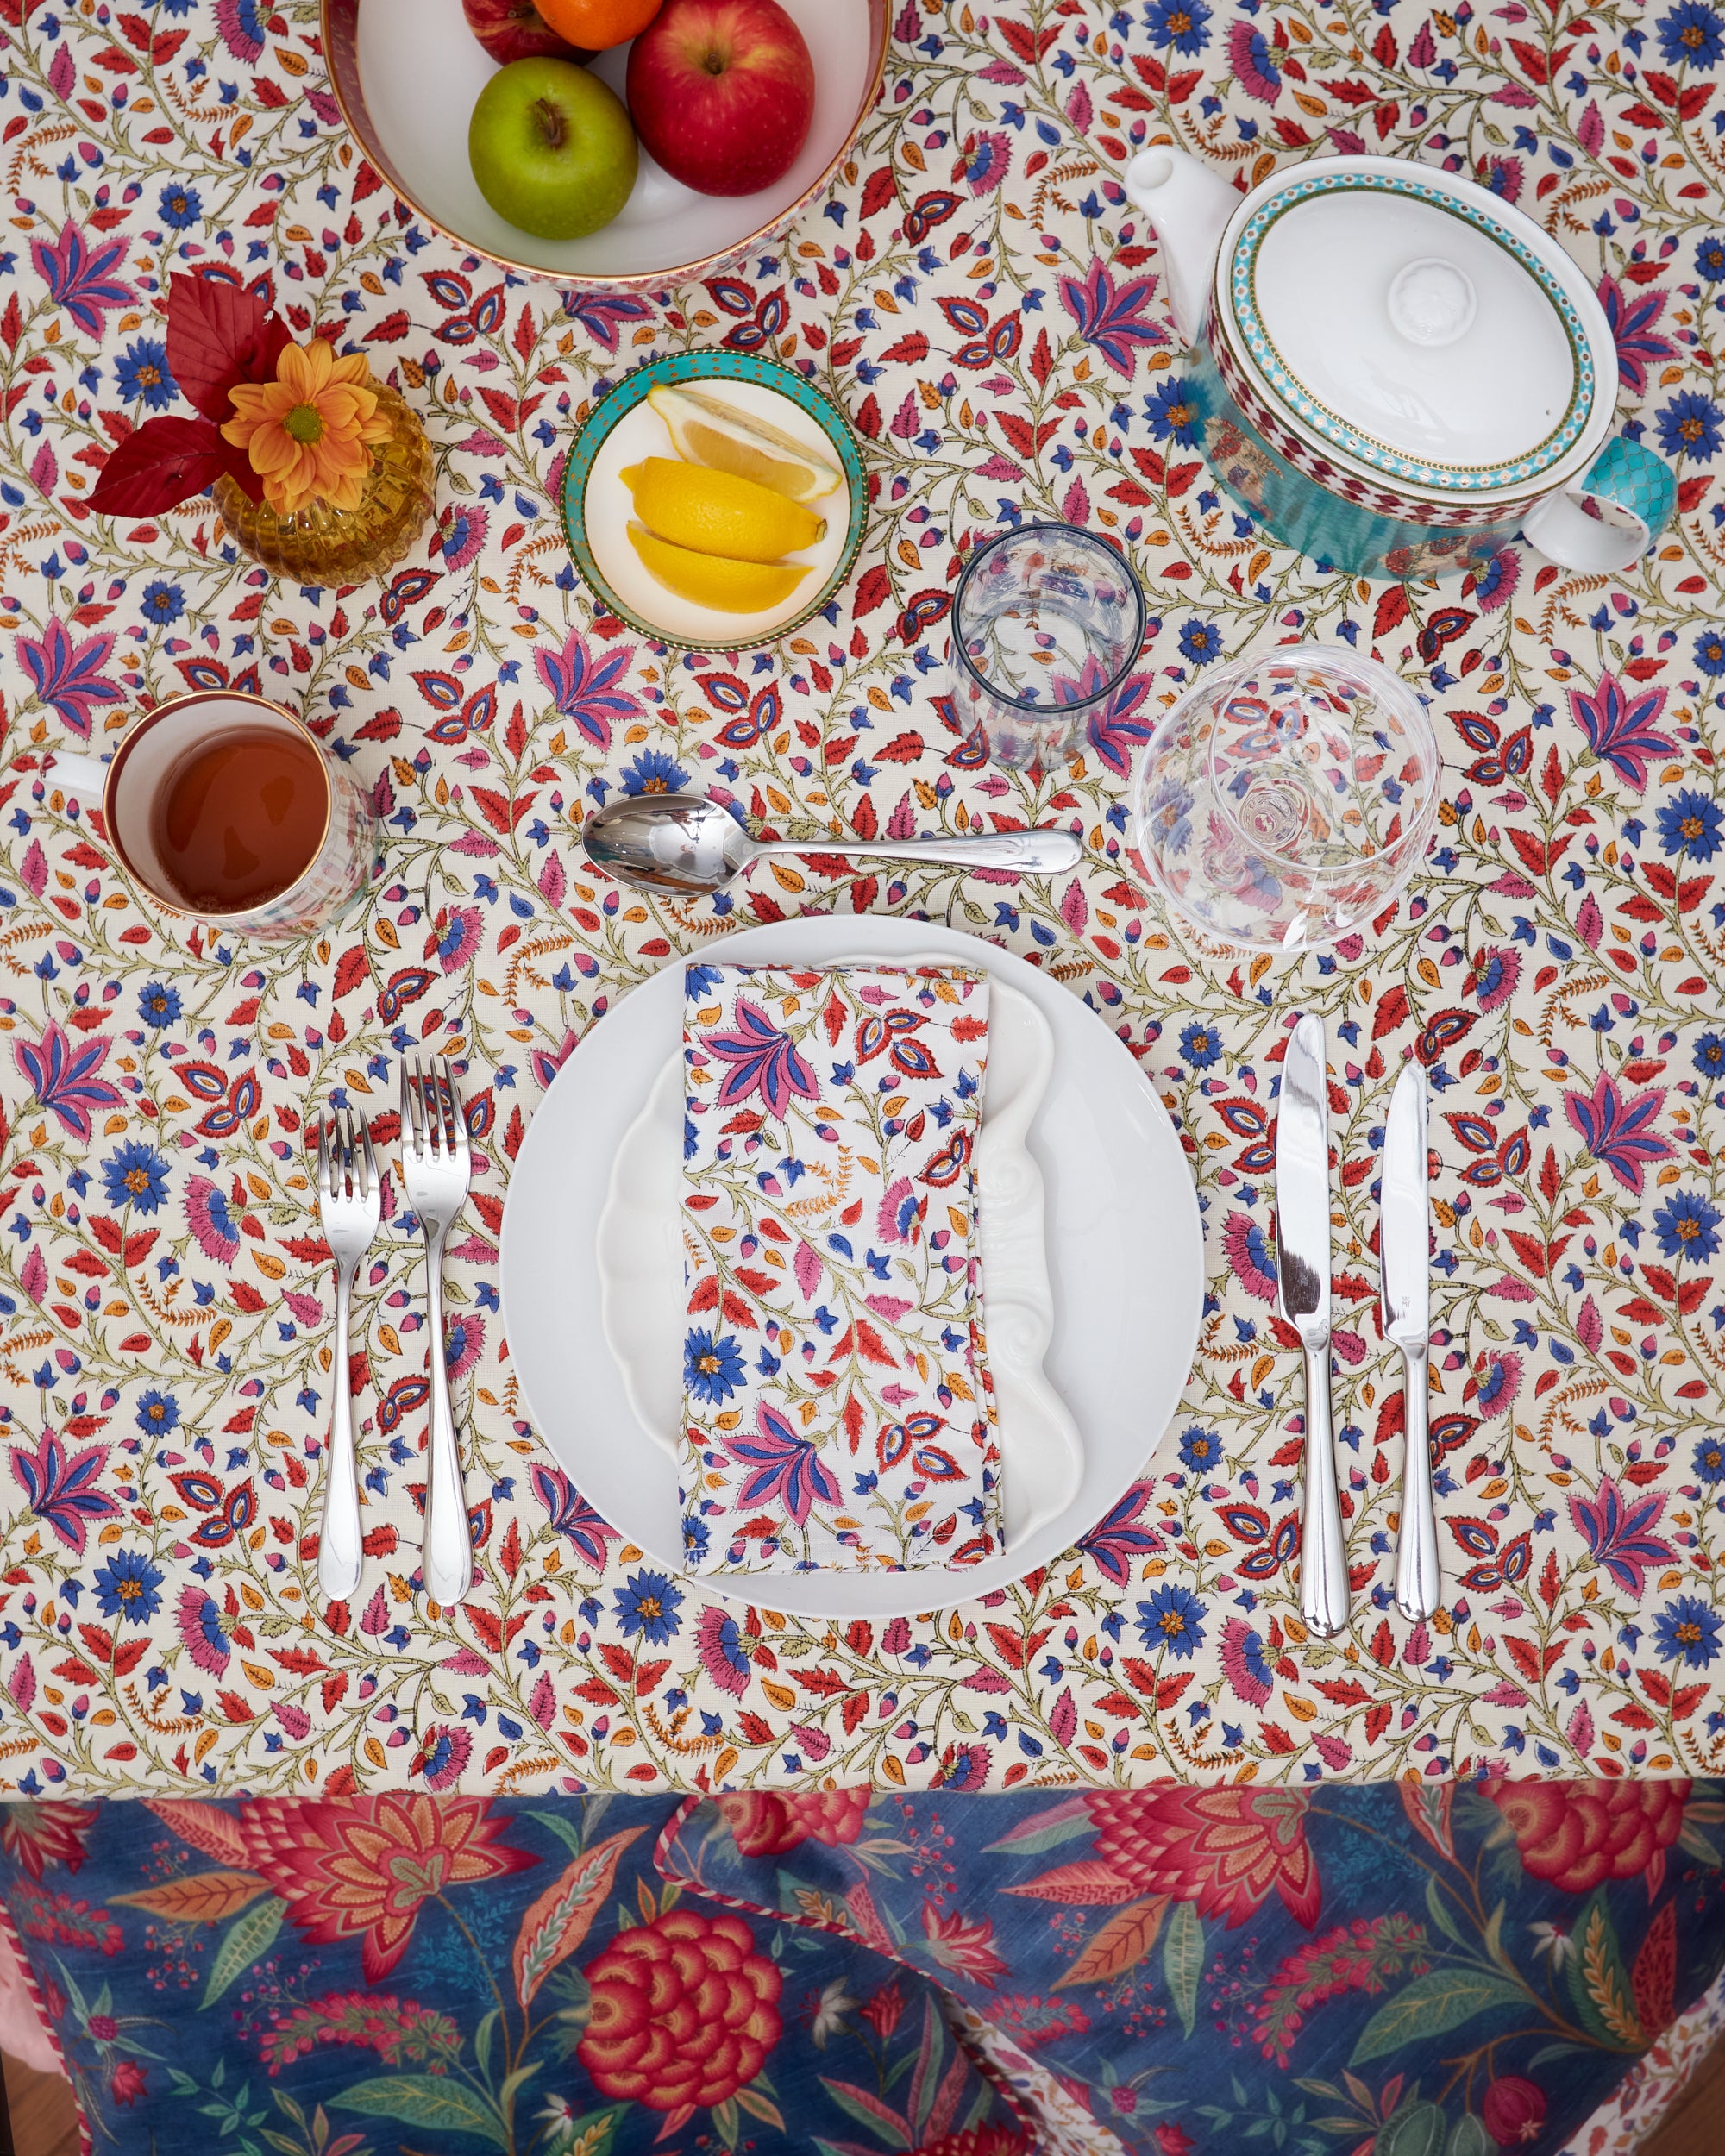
x=837 y=1409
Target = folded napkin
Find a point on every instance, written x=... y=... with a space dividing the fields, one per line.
x=837 y=1405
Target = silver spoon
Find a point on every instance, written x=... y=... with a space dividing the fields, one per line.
x=687 y=843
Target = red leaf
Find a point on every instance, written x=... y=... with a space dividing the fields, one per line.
x=219 y=333
x=1392 y=612
x=350 y=969
x=161 y=463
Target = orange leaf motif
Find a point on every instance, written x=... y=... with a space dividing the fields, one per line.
x=1084 y=1882
x=208 y=1897
x=204 y=1828
x=560 y=1919
x=1122 y=1942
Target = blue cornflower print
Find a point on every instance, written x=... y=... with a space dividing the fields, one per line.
x=1710 y=257
x=648 y=1606
x=1710 y=1459
x=1691 y=33
x=1690 y=426
x=180 y=207
x=1687 y=1225
x=1172 y=1617
x=654 y=772
x=137 y=1175
x=1200 y=641
x=157 y=1413
x=126 y=1586
x=157 y=1004
x=1179 y=23
x=163 y=603
x=1199 y=1044
x=1710 y=651
x=1687 y=1630
x=1710 y=1056
x=1689 y=823
x=1172 y=415
x=142 y=371
x=712 y=1367
x=1200 y=1450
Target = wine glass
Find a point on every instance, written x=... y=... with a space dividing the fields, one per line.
x=1287 y=796
x=1046 y=623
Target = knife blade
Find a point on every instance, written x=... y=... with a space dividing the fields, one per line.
x=1405 y=1258
x=1302 y=1273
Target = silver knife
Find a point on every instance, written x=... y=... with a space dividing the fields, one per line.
x=1302 y=1273
x=1405 y=1259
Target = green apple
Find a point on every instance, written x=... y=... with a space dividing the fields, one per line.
x=552 y=148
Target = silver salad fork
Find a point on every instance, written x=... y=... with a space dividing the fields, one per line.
x=349 y=1195
x=437 y=1166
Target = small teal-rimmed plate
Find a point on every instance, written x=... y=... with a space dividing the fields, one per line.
x=597 y=510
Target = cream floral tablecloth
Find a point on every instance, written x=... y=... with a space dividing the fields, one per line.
x=979 y=296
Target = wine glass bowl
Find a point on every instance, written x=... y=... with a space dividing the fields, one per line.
x=1287 y=796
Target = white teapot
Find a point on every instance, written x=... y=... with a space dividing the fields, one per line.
x=1394 y=371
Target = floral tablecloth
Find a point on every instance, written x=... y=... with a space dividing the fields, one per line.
x=992 y=315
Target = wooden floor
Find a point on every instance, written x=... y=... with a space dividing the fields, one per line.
x=45 y=2123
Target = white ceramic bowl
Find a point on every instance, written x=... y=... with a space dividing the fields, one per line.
x=407 y=74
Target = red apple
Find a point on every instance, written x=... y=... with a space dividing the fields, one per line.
x=722 y=92
x=515 y=29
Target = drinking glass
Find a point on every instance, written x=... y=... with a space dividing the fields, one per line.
x=1288 y=797
x=1046 y=624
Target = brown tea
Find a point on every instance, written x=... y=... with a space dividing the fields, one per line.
x=240 y=819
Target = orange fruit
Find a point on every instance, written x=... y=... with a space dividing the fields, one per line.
x=598 y=24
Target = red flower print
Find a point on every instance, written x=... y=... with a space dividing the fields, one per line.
x=1513 y=2112
x=961 y=1947
x=128 y=2082
x=684 y=2012
x=1576 y=1833
x=882 y=2009
x=765 y=1824
x=1224 y=1849
x=979 y=2140
x=38 y=1832
x=365 y=1868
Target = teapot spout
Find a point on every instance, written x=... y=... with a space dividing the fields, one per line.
x=1189 y=207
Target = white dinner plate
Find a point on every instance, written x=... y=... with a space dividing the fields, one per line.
x=1125 y=1249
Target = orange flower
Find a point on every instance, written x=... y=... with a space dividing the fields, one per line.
x=308 y=432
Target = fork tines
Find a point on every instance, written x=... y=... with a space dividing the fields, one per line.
x=432 y=1121
x=347 y=1166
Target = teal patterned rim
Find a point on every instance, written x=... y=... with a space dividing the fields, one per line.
x=1381 y=456
x=703 y=366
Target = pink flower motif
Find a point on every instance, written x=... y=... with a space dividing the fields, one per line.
x=986 y=160
x=899 y=1216
x=1254 y=66
x=199 y=1623
x=211 y=1224
x=1248 y=1258
x=719 y=1647
x=1243 y=1662
x=463 y=531
x=459 y=933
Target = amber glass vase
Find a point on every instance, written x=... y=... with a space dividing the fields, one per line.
x=321 y=545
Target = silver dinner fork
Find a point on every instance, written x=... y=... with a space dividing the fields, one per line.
x=349 y=1195
x=436 y=1165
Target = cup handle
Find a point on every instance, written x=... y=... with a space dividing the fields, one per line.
x=86 y=776
x=1629 y=477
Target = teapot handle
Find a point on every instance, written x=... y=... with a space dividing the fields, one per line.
x=1633 y=479
x=1190 y=207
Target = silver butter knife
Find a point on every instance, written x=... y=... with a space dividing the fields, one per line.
x=1405 y=1259
x=1302 y=1270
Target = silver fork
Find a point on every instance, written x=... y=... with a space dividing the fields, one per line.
x=349 y=1195
x=436 y=1165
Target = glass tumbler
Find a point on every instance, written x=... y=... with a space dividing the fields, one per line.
x=1046 y=624
x=1287 y=796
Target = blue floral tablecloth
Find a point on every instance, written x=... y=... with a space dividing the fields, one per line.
x=992 y=315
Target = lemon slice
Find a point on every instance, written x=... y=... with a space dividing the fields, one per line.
x=716 y=513
x=707 y=430
x=710 y=580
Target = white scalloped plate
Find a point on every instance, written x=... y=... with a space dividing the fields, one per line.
x=1124 y=1254
x=641 y=1268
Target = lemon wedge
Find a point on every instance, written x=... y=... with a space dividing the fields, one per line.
x=716 y=513
x=707 y=430
x=712 y=580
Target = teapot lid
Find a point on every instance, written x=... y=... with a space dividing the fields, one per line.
x=1415 y=324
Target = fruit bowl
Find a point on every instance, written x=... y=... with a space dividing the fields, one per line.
x=622 y=429
x=407 y=74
